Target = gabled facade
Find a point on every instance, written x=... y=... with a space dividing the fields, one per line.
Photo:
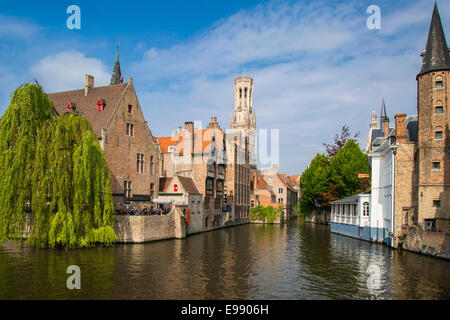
x=130 y=149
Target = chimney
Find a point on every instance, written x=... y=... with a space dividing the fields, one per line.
x=386 y=126
x=400 y=128
x=189 y=136
x=213 y=124
x=89 y=84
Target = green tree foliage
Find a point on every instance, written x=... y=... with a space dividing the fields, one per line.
x=265 y=214
x=54 y=167
x=327 y=179
x=314 y=182
x=345 y=167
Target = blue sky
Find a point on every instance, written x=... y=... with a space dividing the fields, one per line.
x=315 y=64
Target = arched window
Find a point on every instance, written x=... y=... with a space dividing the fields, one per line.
x=240 y=93
x=245 y=90
x=439 y=83
x=366 y=209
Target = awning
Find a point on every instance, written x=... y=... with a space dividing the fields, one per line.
x=168 y=201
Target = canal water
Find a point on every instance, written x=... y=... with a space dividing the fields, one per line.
x=294 y=261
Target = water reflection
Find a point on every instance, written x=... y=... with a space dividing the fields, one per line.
x=294 y=261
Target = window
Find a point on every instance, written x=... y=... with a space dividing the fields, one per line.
x=151 y=164
x=253 y=203
x=225 y=198
x=240 y=93
x=127 y=188
x=130 y=129
x=436 y=203
x=280 y=200
x=439 y=83
x=436 y=165
x=198 y=206
x=130 y=108
x=152 y=191
x=245 y=94
x=438 y=135
x=140 y=163
x=280 y=190
x=366 y=209
x=209 y=185
x=439 y=110
x=430 y=224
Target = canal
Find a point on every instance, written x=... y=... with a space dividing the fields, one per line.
x=294 y=261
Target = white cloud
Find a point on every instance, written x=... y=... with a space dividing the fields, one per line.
x=316 y=67
x=12 y=28
x=66 y=71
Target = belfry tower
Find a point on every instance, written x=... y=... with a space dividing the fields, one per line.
x=243 y=118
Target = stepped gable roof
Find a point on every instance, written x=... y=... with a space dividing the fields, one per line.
x=87 y=104
x=203 y=139
x=436 y=56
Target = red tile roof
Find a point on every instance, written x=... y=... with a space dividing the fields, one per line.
x=165 y=143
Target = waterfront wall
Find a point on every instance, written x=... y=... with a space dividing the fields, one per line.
x=355 y=231
x=138 y=229
x=319 y=217
x=427 y=242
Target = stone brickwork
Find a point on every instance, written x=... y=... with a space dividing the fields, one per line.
x=427 y=242
x=405 y=188
x=138 y=229
x=121 y=151
x=433 y=184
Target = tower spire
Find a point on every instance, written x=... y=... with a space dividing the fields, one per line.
x=436 y=55
x=116 y=77
x=383 y=111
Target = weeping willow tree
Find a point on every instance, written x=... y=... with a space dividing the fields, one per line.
x=54 y=167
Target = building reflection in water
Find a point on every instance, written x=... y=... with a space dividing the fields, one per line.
x=293 y=261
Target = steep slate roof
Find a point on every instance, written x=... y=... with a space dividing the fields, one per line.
x=87 y=105
x=412 y=128
x=349 y=200
x=164 y=184
x=188 y=185
x=436 y=55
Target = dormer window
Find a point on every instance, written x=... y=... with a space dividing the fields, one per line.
x=100 y=104
x=130 y=108
x=439 y=84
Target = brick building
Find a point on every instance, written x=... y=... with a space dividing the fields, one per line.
x=130 y=149
x=268 y=187
x=411 y=161
x=200 y=154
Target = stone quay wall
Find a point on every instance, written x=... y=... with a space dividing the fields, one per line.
x=436 y=244
x=139 y=229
